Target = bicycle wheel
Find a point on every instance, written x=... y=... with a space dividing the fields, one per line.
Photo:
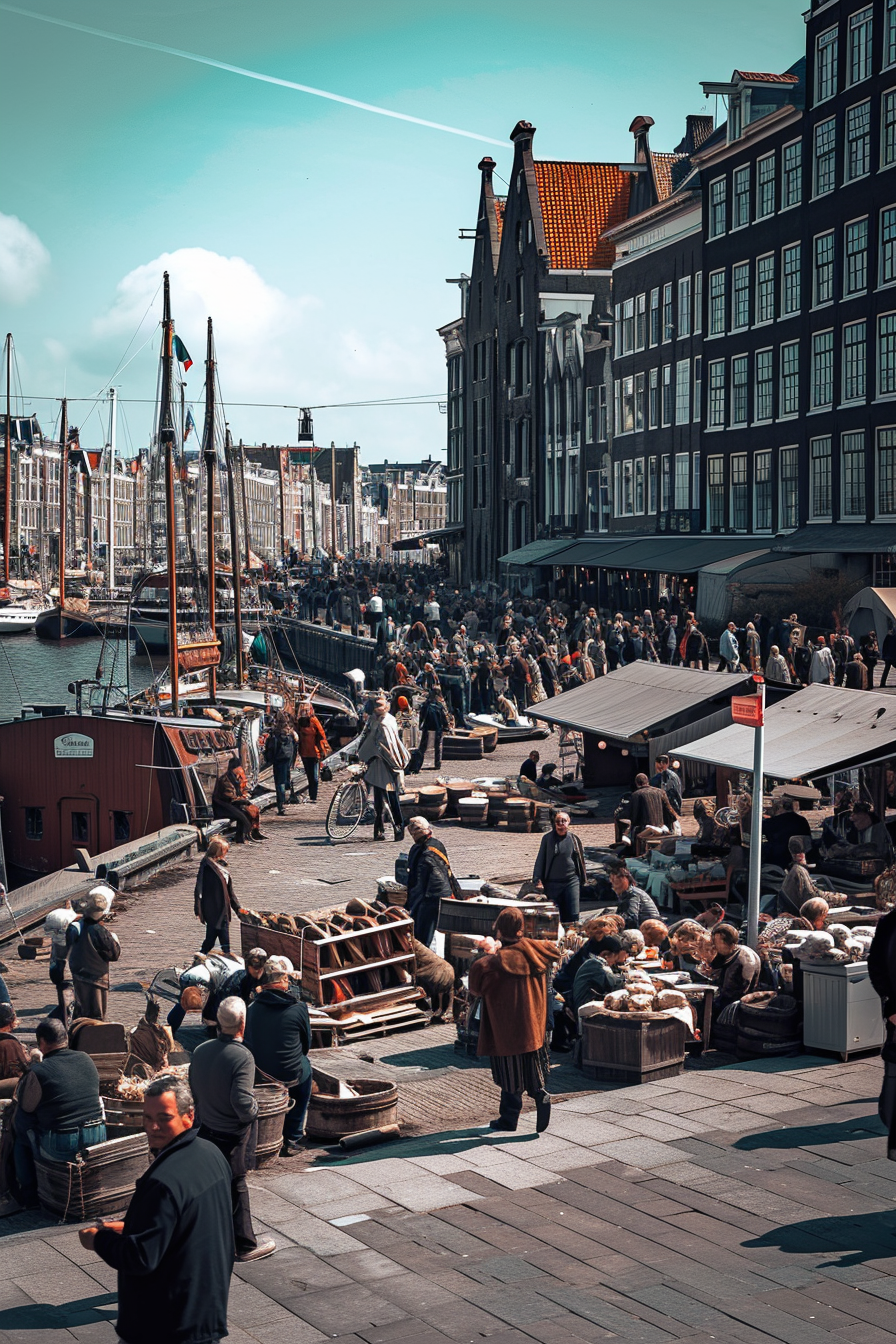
x=346 y=811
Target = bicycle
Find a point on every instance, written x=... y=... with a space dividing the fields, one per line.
x=348 y=806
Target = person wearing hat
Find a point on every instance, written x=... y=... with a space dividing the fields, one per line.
x=798 y=885
x=822 y=669
x=201 y=988
x=91 y=949
x=433 y=719
x=312 y=745
x=512 y=984
x=278 y=1033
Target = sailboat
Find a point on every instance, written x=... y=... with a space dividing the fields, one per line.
x=70 y=618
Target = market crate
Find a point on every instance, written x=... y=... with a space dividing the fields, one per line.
x=541 y=919
x=632 y=1047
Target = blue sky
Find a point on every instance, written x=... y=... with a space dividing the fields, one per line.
x=317 y=235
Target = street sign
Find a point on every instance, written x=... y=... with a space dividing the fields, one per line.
x=747 y=709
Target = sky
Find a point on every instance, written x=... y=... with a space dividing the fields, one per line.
x=318 y=235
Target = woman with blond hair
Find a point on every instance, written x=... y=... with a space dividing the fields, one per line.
x=213 y=898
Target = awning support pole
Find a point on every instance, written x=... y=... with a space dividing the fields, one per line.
x=756 y=824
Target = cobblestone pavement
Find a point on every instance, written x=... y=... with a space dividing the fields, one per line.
x=747 y=1205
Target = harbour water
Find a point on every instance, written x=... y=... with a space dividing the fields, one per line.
x=35 y=671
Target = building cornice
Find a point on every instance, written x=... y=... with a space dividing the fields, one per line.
x=755 y=132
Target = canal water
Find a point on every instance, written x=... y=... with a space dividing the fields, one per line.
x=36 y=671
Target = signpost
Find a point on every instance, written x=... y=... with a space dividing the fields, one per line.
x=750 y=709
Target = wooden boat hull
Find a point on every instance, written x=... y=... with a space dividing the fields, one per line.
x=523 y=730
x=57 y=624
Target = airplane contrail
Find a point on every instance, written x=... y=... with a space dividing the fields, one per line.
x=248 y=74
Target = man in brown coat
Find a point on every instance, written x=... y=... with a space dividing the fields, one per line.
x=649 y=806
x=511 y=982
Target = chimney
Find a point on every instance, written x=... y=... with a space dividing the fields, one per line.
x=698 y=130
x=640 y=129
x=486 y=167
x=522 y=134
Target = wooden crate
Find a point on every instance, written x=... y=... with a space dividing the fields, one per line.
x=629 y=1048
x=702 y=891
x=541 y=919
x=317 y=958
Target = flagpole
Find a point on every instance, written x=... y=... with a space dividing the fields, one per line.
x=110 y=558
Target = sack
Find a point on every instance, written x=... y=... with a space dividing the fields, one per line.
x=326 y=774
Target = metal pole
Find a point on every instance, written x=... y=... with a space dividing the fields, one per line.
x=7 y=465
x=333 y=499
x=248 y=535
x=234 y=557
x=756 y=825
x=208 y=449
x=63 y=507
x=110 y=558
x=283 y=547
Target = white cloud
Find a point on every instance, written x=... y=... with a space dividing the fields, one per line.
x=23 y=260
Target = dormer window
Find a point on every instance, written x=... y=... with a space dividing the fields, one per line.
x=735 y=117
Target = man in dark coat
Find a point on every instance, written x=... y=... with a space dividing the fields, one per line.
x=596 y=977
x=735 y=968
x=278 y=1033
x=649 y=806
x=280 y=753
x=91 y=948
x=888 y=652
x=560 y=867
x=882 y=974
x=174 y=1250
x=429 y=879
x=667 y=780
x=433 y=719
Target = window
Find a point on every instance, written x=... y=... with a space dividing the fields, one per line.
x=480 y=361
x=717 y=210
x=887 y=267
x=695 y=481
x=684 y=306
x=521 y=298
x=740 y=296
x=715 y=493
x=602 y=415
x=762 y=404
x=762 y=495
x=855 y=260
x=888 y=127
x=790 y=280
x=121 y=827
x=855 y=353
x=639 y=485
x=821 y=391
x=34 y=823
x=715 y=411
x=653 y=399
x=886 y=355
x=639 y=400
x=740 y=204
x=824 y=166
x=668 y=328
x=858 y=141
x=852 y=465
x=665 y=482
x=823 y=269
x=681 y=497
x=667 y=394
x=625 y=408
x=81 y=828
x=790 y=379
x=590 y=416
x=820 y=478
x=826 y=65
x=698 y=303
x=617 y=329
x=717 y=303
x=765 y=186
x=628 y=326
x=682 y=391
x=654 y=317
x=765 y=289
x=740 y=374
x=788 y=485
x=698 y=381
x=739 y=494
x=886 y=471
x=890 y=33
x=791 y=174
x=641 y=322
x=651 y=485
x=859 y=64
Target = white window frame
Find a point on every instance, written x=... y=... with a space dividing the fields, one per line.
x=857 y=361
x=698 y=302
x=738 y=271
x=717 y=292
x=761 y=164
x=682 y=391
x=763 y=457
x=718 y=202
x=764 y=288
x=817 y=300
x=828 y=39
x=829 y=154
x=742 y=363
x=740 y=219
x=788 y=174
x=789 y=505
x=889 y=431
x=789 y=380
x=715 y=493
x=851 y=112
x=787 y=275
x=651 y=485
x=769 y=382
x=715 y=395
x=640 y=488
x=886 y=259
x=849 y=293
x=888 y=125
x=863 y=18
x=816 y=515
x=684 y=306
x=885 y=391
x=681 y=482
x=846 y=454
x=821 y=370
x=739 y=477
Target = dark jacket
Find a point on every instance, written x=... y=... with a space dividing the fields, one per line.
x=175 y=1256
x=433 y=716
x=635 y=907
x=280 y=748
x=91 y=948
x=429 y=874
x=882 y=974
x=594 y=980
x=511 y=984
x=222 y=1078
x=650 y=807
x=278 y=1033
x=736 y=976
x=559 y=860
x=670 y=783
x=62 y=1092
x=213 y=897
x=529 y=770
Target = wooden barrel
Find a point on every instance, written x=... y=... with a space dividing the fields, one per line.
x=333 y=1117
x=408 y=802
x=542 y=819
x=432 y=802
x=497 y=806
x=123 y=1118
x=273 y=1103
x=489 y=737
x=473 y=811
x=101 y=1183
x=519 y=814
x=457 y=789
x=462 y=744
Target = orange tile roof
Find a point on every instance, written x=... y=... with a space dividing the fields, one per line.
x=662 y=167
x=757 y=77
x=578 y=202
x=500 y=203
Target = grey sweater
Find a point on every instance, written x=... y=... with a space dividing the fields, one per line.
x=222 y=1077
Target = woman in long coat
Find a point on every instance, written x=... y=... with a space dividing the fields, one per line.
x=386 y=757
x=213 y=898
x=512 y=984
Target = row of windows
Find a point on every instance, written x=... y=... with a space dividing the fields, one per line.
x=644 y=321
x=753 y=201
x=659 y=397
x=647 y=485
x=857 y=65
x=857 y=147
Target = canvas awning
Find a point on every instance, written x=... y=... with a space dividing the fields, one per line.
x=536 y=553
x=680 y=554
x=815 y=731
x=638 y=699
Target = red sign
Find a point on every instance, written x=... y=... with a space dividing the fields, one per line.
x=747 y=709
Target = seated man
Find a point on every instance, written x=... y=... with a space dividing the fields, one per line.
x=785 y=821
x=59 y=1107
x=734 y=968
x=799 y=886
x=633 y=904
x=863 y=835
x=14 y=1058
x=596 y=978
x=648 y=808
x=602 y=926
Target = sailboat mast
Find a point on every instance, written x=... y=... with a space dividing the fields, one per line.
x=166 y=442
x=234 y=556
x=208 y=452
x=110 y=556
x=7 y=463
x=63 y=507
x=247 y=537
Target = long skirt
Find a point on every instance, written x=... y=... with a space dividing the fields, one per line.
x=528 y=1072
